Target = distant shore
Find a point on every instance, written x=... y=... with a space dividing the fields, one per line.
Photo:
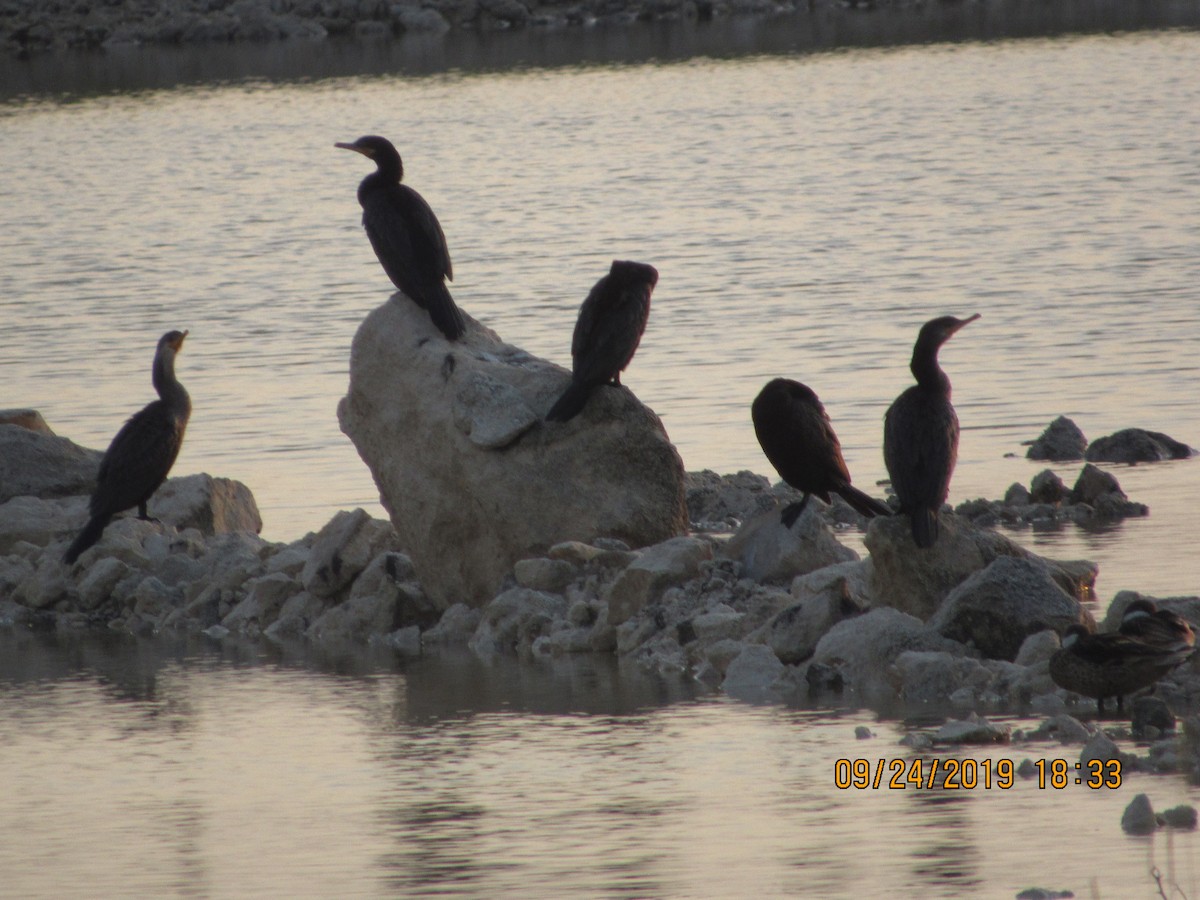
x=30 y=28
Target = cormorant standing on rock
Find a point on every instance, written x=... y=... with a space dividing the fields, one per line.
x=607 y=333
x=406 y=235
x=798 y=438
x=920 y=433
x=140 y=456
x=1110 y=664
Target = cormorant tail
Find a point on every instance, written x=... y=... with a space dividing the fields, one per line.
x=792 y=511
x=570 y=403
x=90 y=534
x=864 y=504
x=445 y=314
x=924 y=527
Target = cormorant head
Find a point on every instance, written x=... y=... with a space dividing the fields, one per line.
x=936 y=332
x=624 y=272
x=172 y=339
x=380 y=149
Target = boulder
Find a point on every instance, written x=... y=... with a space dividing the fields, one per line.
x=1188 y=607
x=772 y=553
x=754 y=675
x=342 y=549
x=824 y=598
x=1135 y=445
x=210 y=505
x=472 y=478
x=29 y=419
x=719 y=502
x=916 y=581
x=1062 y=440
x=657 y=568
x=861 y=651
x=41 y=522
x=514 y=620
x=997 y=608
x=37 y=463
x=1047 y=487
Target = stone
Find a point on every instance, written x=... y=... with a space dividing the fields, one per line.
x=1134 y=445
x=576 y=553
x=1094 y=483
x=1047 y=487
x=1099 y=747
x=973 y=730
x=295 y=617
x=793 y=633
x=1150 y=712
x=1063 y=728
x=1187 y=607
x=264 y=598
x=29 y=419
x=210 y=505
x=36 y=463
x=1038 y=648
x=457 y=625
x=1183 y=817
x=40 y=521
x=1138 y=817
x=98 y=584
x=514 y=620
x=771 y=553
x=932 y=677
x=467 y=508
x=753 y=675
x=916 y=581
x=342 y=549
x=861 y=650
x=722 y=502
x=643 y=581
x=997 y=608
x=543 y=574
x=1061 y=441
x=1017 y=495
x=417 y=20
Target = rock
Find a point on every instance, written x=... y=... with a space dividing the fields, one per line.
x=863 y=733
x=1061 y=441
x=1187 y=607
x=1037 y=648
x=719 y=502
x=753 y=675
x=916 y=581
x=771 y=553
x=1047 y=487
x=1183 y=817
x=1138 y=817
x=295 y=617
x=1064 y=729
x=1150 y=712
x=35 y=463
x=264 y=598
x=1134 y=445
x=210 y=505
x=1100 y=747
x=973 y=730
x=385 y=598
x=420 y=21
x=576 y=553
x=1017 y=495
x=29 y=419
x=793 y=633
x=861 y=651
x=514 y=620
x=97 y=586
x=542 y=574
x=997 y=608
x=38 y=521
x=466 y=506
x=658 y=567
x=456 y=626
x=342 y=549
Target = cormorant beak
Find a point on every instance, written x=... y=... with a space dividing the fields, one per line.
x=963 y=323
x=357 y=149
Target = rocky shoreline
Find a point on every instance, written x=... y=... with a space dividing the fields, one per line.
x=31 y=27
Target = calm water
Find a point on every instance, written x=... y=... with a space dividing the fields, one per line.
x=233 y=772
x=807 y=214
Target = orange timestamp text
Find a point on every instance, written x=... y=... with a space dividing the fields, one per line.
x=972 y=774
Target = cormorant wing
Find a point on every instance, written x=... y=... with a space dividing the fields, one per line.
x=408 y=240
x=608 y=331
x=138 y=459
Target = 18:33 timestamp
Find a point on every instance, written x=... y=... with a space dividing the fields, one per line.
x=971 y=774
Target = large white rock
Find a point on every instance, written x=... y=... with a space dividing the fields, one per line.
x=39 y=463
x=210 y=505
x=472 y=477
x=773 y=553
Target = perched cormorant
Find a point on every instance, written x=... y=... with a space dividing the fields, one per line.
x=140 y=456
x=1143 y=620
x=798 y=438
x=406 y=235
x=609 y=328
x=1110 y=664
x=920 y=433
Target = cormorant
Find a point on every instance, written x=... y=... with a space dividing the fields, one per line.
x=140 y=456
x=1110 y=664
x=1143 y=620
x=406 y=235
x=920 y=433
x=609 y=328
x=798 y=438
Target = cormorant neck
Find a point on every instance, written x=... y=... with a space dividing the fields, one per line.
x=925 y=367
x=391 y=168
x=165 y=382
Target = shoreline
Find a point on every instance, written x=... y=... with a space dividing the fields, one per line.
x=31 y=31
